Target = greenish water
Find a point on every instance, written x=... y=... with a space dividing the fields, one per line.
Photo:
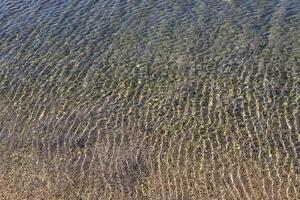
x=143 y=99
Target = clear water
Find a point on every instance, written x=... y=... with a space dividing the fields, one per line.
x=143 y=99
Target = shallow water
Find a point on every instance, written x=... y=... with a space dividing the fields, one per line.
x=136 y=99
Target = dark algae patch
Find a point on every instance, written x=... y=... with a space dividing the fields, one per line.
x=147 y=100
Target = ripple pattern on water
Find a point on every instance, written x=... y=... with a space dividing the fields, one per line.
x=120 y=99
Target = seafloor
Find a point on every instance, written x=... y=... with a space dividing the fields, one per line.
x=144 y=99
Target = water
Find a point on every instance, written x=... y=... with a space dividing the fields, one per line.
x=195 y=99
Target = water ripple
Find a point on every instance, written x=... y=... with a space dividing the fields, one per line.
x=138 y=99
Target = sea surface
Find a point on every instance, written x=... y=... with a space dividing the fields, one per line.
x=149 y=99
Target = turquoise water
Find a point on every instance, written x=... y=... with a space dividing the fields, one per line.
x=136 y=99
